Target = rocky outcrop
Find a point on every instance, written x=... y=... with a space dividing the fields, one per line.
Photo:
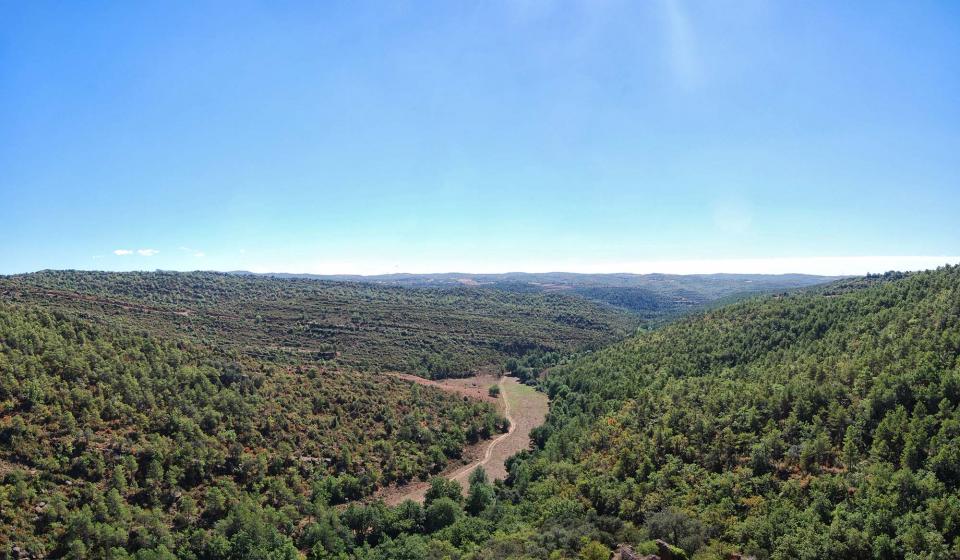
x=625 y=552
x=665 y=551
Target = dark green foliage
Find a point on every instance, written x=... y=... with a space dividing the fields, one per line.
x=528 y=368
x=815 y=425
x=441 y=512
x=675 y=526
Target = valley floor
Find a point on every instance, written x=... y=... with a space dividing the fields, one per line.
x=523 y=406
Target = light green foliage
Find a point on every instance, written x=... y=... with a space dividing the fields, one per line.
x=441 y=487
x=594 y=550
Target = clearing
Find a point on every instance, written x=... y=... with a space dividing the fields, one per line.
x=523 y=406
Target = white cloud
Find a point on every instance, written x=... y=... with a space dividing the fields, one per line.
x=194 y=252
x=199 y=254
x=122 y=252
x=147 y=252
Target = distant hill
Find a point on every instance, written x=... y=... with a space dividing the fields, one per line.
x=652 y=296
x=436 y=332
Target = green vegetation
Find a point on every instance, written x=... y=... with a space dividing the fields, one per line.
x=815 y=425
x=432 y=332
x=650 y=296
x=820 y=424
x=113 y=440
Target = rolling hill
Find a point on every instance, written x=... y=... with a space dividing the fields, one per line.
x=434 y=332
x=651 y=296
x=115 y=438
x=820 y=424
x=139 y=420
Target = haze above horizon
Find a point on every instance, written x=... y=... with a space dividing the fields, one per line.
x=366 y=138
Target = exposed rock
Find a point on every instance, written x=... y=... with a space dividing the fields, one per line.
x=667 y=551
x=625 y=552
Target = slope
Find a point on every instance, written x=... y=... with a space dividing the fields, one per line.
x=436 y=332
x=651 y=296
x=822 y=424
x=115 y=439
x=814 y=425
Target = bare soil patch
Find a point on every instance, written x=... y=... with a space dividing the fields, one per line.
x=475 y=387
x=525 y=408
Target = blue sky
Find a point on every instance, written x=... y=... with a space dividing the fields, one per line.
x=479 y=136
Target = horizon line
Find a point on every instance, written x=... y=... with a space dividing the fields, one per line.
x=774 y=266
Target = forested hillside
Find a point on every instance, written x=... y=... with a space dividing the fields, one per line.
x=434 y=332
x=821 y=425
x=112 y=440
x=818 y=424
x=650 y=296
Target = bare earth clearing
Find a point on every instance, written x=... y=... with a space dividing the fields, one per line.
x=523 y=406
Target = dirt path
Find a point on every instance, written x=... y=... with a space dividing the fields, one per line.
x=523 y=406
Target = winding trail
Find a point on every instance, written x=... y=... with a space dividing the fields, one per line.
x=523 y=406
x=462 y=475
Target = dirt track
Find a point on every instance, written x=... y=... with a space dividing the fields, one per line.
x=523 y=406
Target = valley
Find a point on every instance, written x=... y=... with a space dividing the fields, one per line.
x=193 y=415
x=495 y=280
x=524 y=408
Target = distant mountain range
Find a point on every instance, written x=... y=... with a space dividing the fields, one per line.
x=650 y=295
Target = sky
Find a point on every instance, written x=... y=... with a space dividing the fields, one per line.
x=535 y=135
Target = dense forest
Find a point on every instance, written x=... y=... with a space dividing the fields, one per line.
x=113 y=439
x=820 y=425
x=653 y=297
x=815 y=424
x=432 y=332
